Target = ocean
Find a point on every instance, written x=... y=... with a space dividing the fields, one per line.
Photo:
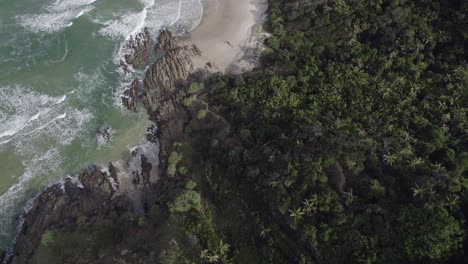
x=60 y=83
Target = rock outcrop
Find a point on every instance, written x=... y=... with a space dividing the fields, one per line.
x=100 y=191
x=164 y=90
x=172 y=70
x=2 y=254
x=130 y=96
x=141 y=46
x=63 y=204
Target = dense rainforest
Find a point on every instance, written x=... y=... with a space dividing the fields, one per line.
x=349 y=145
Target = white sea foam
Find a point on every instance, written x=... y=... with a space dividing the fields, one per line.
x=178 y=14
x=62 y=116
x=61 y=99
x=14 y=196
x=22 y=109
x=56 y=16
x=155 y=16
x=39 y=160
x=124 y=24
x=64 y=55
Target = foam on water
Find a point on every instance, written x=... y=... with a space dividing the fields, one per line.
x=56 y=16
x=184 y=14
x=39 y=162
x=124 y=24
x=64 y=55
x=40 y=129
x=21 y=109
x=10 y=200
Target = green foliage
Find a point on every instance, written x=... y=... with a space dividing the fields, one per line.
x=183 y=170
x=48 y=237
x=190 y=185
x=173 y=161
x=81 y=220
x=186 y=201
x=195 y=88
x=376 y=90
x=201 y=114
x=428 y=234
x=379 y=87
x=188 y=101
x=175 y=255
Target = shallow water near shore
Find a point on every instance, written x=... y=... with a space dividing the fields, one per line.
x=59 y=83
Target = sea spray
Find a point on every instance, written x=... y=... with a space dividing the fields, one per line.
x=76 y=77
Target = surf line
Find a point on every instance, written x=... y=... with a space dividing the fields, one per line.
x=62 y=116
x=202 y=13
x=141 y=24
x=64 y=55
x=178 y=13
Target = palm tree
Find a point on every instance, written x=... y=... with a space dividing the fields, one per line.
x=223 y=248
x=390 y=159
x=310 y=206
x=415 y=162
x=213 y=258
x=204 y=254
x=296 y=214
x=264 y=231
x=452 y=201
x=349 y=197
x=438 y=167
x=418 y=191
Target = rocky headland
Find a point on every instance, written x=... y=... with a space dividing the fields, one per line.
x=167 y=92
x=117 y=187
x=139 y=48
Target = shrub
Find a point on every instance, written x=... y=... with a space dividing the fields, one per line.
x=174 y=159
x=48 y=237
x=186 y=201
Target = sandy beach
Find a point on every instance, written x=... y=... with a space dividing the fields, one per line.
x=225 y=31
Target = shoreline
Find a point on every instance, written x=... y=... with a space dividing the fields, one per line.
x=226 y=32
x=222 y=19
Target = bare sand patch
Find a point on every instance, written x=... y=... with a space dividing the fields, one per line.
x=226 y=31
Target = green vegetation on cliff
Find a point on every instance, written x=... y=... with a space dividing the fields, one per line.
x=350 y=145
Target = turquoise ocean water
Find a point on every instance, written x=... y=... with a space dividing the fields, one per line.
x=59 y=83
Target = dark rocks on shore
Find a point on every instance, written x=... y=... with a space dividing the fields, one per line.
x=174 y=68
x=2 y=255
x=165 y=42
x=164 y=91
x=130 y=96
x=95 y=193
x=152 y=134
x=141 y=45
x=64 y=204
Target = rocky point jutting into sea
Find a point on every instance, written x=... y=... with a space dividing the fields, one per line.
x=135 y=185
x=99 y=190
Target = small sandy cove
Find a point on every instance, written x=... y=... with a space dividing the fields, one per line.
x=225 y=31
